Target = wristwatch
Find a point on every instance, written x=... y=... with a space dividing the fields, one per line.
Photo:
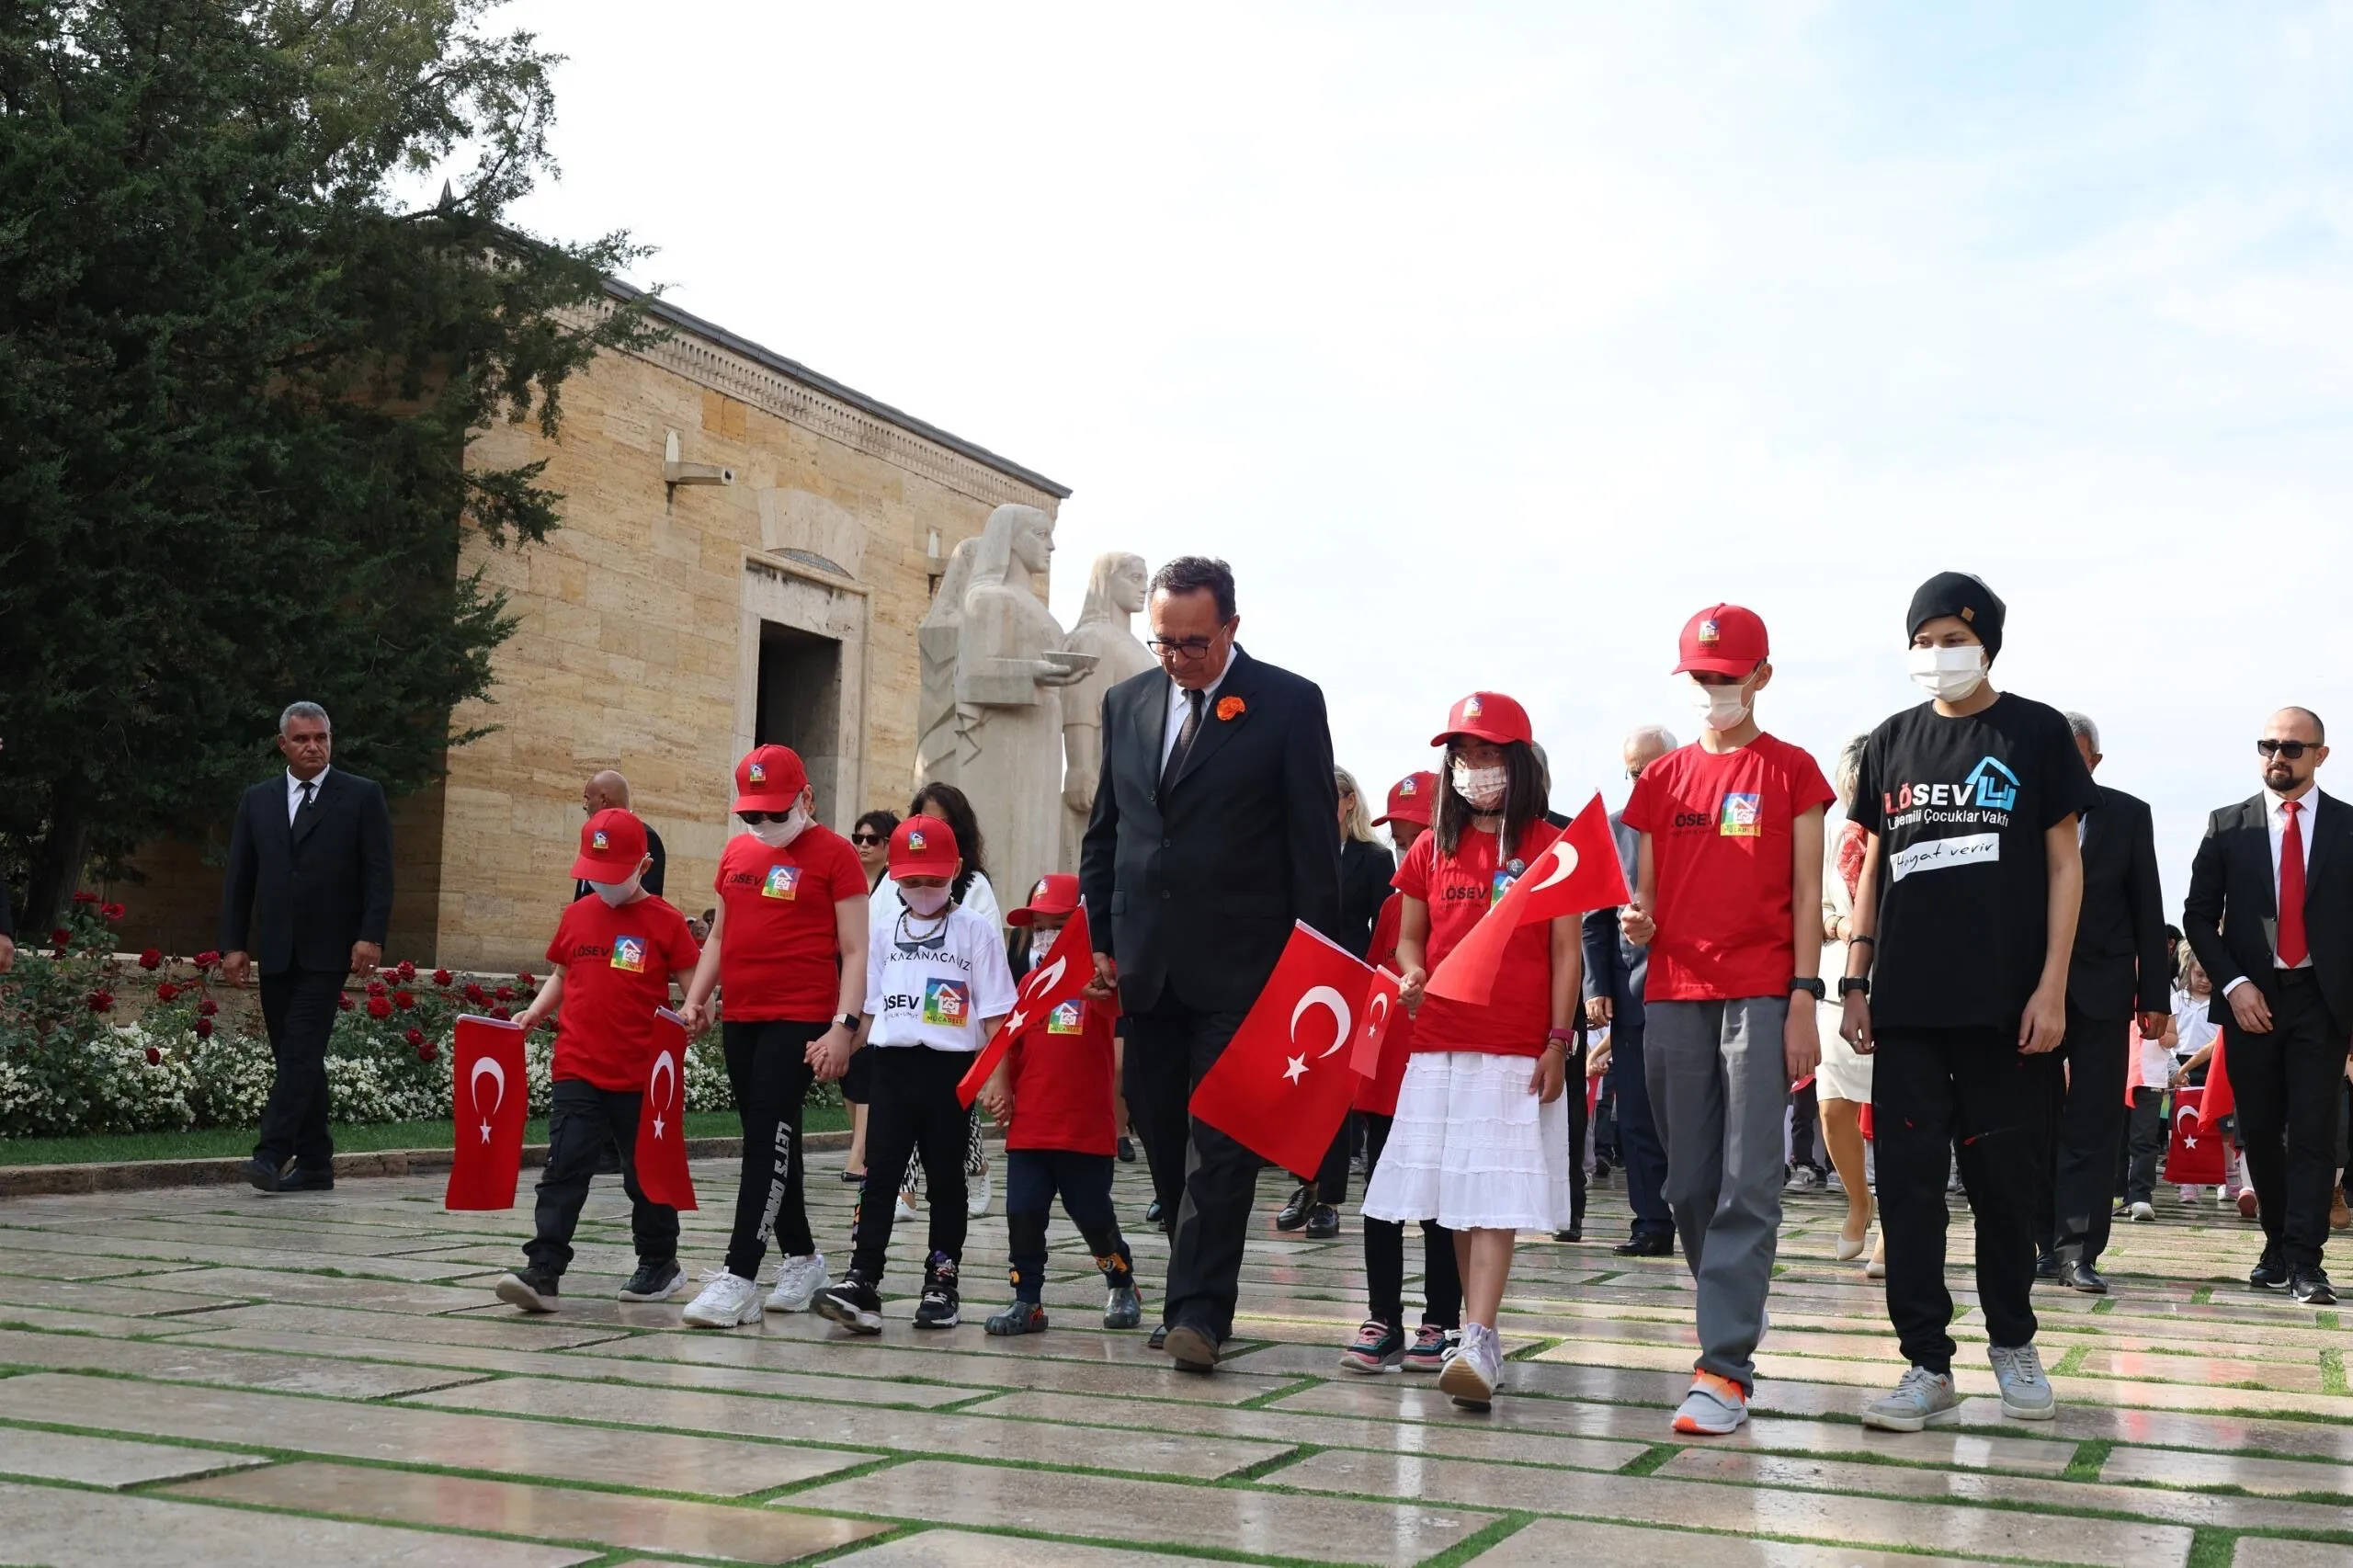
x=1812 y=987
x=848 y=1021
x=1851 y=986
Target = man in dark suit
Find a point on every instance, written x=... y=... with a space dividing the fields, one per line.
x=308 y=894
x=2118 y=970
x=608 y=791
x=2270 y=917
x=1211 y=835
x=1614 y=972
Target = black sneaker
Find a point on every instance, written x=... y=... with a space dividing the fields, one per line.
x=263 y=1175
x=1294 y=1214
x=533 y=1289
x=1323 y=1222
x=1127 y=1151
x=853 y=1305
x=653 y=1281
x=2312 y=1286
x=939 y=1307
x=1021 y=1317
x=2270 y=1272
x=1123 y=1306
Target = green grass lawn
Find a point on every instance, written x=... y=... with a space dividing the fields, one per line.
x=226 y=1141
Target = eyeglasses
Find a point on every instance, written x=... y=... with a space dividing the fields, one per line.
x=2292 y=750
x=1188 y=648
x=865 y=840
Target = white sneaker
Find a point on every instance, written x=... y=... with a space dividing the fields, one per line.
x=977 y=1193
x=904 y=1212
x=727 y=1300
x=2144 y=1213
x=798 y=1280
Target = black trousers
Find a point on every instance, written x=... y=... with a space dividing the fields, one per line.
x=913 y=1113
x=1033 y=1177
x=768 y=1072
x=2147 y=1141
x=1805 y=1114
x=583 y=1122
x=1638 y=1140
x=1936 y=1093
x=1384 y=1253
x=1161 y=1127
x=2288 y=1082
x=2085 y=1126
x=1332 y=1175
x=1170 y=1050
x=1580 y=1117
x=298 y=1008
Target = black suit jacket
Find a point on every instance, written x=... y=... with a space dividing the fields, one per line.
x=2232 y=916
x=1202 y=882
x=653 y=882
x=1615 y=967
x=2119 y=966
x=299 y=895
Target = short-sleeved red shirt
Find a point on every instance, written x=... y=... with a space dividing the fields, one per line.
x=1458 y=889
x=617 y=966
x=779 y=953
x=1723 y=855
x=1061 y=1068
x=1377 y=1094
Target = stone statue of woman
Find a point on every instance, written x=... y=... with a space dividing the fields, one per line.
x=1010 y=669
x=939 y=742
x=1116 y=591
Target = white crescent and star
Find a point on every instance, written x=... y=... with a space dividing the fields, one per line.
x=662 y=1064
x=1564 y=864
x=1332 y=1002
x=492 y=1067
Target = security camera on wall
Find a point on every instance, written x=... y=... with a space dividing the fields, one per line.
x=677 y=472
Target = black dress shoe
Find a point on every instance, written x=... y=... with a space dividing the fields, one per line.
x=1655 y=1243
x=2311 y=1288
x=1294 y=1214
x=2046 y=1266
x=2270 y=1272
x=1159 y=1337
x=302 y=1180
x=1191 y=1346
x=263 y=1174
x=1151 y=1216
x=1323 y=1222
x=1127 y=1151
x=1574 y=1233
x=2082 y=1277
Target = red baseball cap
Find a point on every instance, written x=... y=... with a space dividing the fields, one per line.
x=1723 y=640
x=1410 y=801
x=611 y=844
x=1056 y=893
x=769 y=778
x=1488 y=716
x=923 y=846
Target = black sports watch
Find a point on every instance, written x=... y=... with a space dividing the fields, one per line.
x=1852 y=986
x=1812 y=987
x=848 y=1021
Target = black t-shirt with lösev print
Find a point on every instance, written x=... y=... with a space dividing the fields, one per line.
x=1961 y=806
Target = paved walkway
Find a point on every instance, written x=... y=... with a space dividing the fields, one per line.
x=210 y=1376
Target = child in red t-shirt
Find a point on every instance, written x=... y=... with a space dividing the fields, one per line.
x=1480 y=1141
x=1728 y=899
x=610 y=964
x=1055 y=1093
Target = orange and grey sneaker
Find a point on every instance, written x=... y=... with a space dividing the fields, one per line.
x=1714 y=1406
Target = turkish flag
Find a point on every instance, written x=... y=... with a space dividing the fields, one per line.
x=1575 y=872
x=2218 y=1102
x=2194 y=1157
x=662 y=1173
x=1282 y=1088
x=1380 y=1010
x=488 y=1105
x=1070 y=964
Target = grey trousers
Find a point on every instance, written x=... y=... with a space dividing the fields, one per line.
x=1719 y=1089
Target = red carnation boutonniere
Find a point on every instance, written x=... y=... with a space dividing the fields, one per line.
x=1230 y=707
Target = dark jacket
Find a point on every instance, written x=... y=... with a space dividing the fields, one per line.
x=653 y=882
x=1196 y=888
x=1366 y=871
x=1615 y=967
x=299 y=895
x=2119 y=965
x=2232 y=916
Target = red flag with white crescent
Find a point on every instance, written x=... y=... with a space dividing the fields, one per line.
x=489 y=1102
x=1070 y=964
x=1381 y=1009
x=1577 y=871
x=662 y=1172
x=2194 y=1156
x=1282 y=1086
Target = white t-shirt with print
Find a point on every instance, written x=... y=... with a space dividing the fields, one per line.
x=934 y=988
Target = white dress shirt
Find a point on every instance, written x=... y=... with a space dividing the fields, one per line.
x=1179 y=708
x=2276 y=820
x=320 y=782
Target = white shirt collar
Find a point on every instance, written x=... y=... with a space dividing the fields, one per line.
x=2308 y=800
x=1209 y=691
x=294 y=785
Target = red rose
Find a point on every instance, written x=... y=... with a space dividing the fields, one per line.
x=407 y=970
x=501 y=1014
x=343 y=1001
x=442 y=977
x=154 y=1057
x=208 y=957
x=62 y=939
x=375 y=988
x=526 y=979
x=101 y=1000
x=167 y=991
x=378 y=1007
x=83 y=896
x=505 y=994
x=113 y=911
x=207 y=1007
x=416 y=1037
x=204 y=1028
x=151 y=958
x=404 y=1000
x=427 y=1052
x=477 y=995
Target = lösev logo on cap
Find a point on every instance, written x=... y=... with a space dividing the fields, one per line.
x=1471 y=708
x=1409 y=785
x=915 y=840
x=757 y=773
x=1711 y=633
x=596 y=840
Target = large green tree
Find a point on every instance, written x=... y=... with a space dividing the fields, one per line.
x=238 y=382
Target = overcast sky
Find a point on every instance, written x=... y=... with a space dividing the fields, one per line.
x=1489 y=343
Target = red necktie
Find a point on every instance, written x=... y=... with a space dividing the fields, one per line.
x=2293 y=949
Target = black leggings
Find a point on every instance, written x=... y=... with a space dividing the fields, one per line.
x=1384 y=1253
x=914 y=1113
x=769 y=1072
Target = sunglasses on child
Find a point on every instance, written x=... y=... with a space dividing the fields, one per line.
x=865 y=840
x=756 y=818
x=2292 y=750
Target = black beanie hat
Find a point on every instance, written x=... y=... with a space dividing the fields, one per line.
x=1958 y=593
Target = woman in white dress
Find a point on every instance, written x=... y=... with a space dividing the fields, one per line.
x=1842 y=1085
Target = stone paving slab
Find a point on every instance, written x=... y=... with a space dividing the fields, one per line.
x=284 y=1285
x=636 y=1524
x=1547 y=1543
x=2254 y=1551
x=177 y=1361
x=962 y=1549
x=139 y=1300
x=61 y=1529
x=105 y=1462
x=1259 y=1523
x=2271 y=1477
x=525 y=1332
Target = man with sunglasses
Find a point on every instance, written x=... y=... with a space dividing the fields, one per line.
x=2270 y=917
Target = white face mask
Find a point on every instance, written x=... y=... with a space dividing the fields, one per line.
x=777 y=834
x=616 y=893
x=1483 y=787
x=1950 y=673
x=1721 y=706
x=926 y=902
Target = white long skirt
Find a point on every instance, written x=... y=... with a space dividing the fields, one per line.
x=1843 y=1075
x=1472 y=1149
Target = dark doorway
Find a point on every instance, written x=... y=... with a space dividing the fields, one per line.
x=800 y=704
